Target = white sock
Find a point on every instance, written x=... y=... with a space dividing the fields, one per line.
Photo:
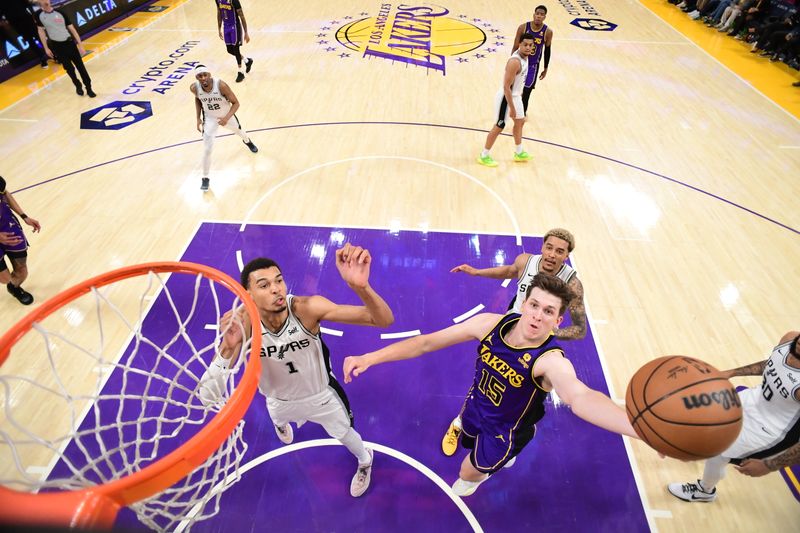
x=519 y=148
x=457 y=422
x=353 y=442
x=713 y=472
x=484 y=153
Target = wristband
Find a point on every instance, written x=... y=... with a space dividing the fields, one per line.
x=23 y=216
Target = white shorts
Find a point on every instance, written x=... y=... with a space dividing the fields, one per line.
x=211 y=125
x=502 y=111
x=754 y=437
x=326 y=408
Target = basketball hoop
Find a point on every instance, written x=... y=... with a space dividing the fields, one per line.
x=143 y=435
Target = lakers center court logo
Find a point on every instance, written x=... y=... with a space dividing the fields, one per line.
x=115 y=115
x=420 y=35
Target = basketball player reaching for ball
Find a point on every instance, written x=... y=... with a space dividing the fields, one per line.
x=542 y=41
x=518 y=364
x=557 y=245
x=508 y=103
x=770 y=436
x=216 y=105
x=296 y=375
x=232 y=29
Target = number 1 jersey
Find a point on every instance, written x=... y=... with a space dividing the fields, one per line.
x=295 y=363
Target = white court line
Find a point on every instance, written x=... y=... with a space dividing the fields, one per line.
x=17 y=120
x=427 y=472
x=334 y=332
x=505 y=283
x=474 y=310
x=211 y=326
x=239 y=260
x=788 y=147
x=637 y=476
x=37 y=470
x=401 y=334
x=491 y=233
x=496 y=196
x=660 y=513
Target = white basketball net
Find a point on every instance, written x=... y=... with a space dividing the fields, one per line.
x=77 y=411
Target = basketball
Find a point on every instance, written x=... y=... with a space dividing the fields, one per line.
x=683 y=408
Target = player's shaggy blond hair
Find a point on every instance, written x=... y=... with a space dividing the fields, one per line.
x=561 y=233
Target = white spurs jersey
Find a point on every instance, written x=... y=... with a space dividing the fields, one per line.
x=213 y=102
x=775 y=403
x=295 y=363
x=519 y=79
x=566 y=273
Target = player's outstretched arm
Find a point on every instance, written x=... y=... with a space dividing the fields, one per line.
x=512 y=271
x=473 y=328
x=756 y=369
x=589 y=404
x=353 y=264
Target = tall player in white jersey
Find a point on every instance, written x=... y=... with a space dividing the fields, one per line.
x=770 y=436
x=296 y=375
x=216 y=105
x=558 y=243
x=508 y=103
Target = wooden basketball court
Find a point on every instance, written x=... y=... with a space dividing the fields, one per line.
x=678 y=176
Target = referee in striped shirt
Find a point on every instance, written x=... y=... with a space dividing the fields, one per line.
x=62 y=42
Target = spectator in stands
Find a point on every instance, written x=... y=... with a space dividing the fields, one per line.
x=777 y=37
x=19 y=14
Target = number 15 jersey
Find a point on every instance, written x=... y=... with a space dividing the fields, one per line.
x=295 y=363
x=504 y=390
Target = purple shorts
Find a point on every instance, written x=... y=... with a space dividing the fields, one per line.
x=232 y=34
x=492 y=444
x=12 y=225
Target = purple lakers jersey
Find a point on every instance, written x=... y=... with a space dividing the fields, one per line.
x=503 y=389
x=9 y=223
x=231 y=25
x=536 y=53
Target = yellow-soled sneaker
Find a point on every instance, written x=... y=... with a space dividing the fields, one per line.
x=522 y=157
x=450 y=440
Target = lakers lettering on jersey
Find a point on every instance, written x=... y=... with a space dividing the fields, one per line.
x=506 y=391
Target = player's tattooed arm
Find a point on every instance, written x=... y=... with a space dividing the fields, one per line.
x=755 y=369
x=577 y=312
x=788 y=458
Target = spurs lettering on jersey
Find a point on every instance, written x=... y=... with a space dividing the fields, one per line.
x=280 y=351
x=781 y=380
x=213 y=102
x=295 y=363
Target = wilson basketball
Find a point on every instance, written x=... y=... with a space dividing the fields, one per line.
x=683 y=408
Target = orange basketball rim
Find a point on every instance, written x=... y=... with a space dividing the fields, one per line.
x=97 y=506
